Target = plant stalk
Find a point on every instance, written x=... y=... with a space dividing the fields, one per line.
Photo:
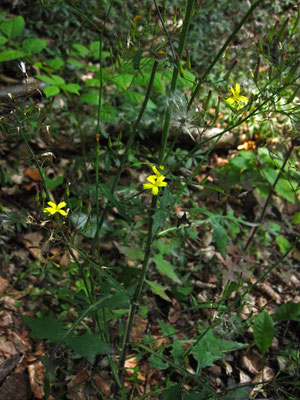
x=221 y=51
x=259 y=220
x=125 y=155
x=137 y=294
x=182 y=42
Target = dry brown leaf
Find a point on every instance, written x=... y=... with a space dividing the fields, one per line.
x=32 y=242
x=130 y=363
x=7 y=347
x=4 y=285
x=21 y=343
x=251 y=361
x=267 y=374
x=139 y=328
x=33 y=173
x=36 y=373
x=102 y=384
x=77 y=387
x=175 y=312
x=244 y=378
x=266 y=288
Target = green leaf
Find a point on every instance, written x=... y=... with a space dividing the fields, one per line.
x=51 y=91
x=123 y=80
x=172 y=393
x=3 y=40
x=50 y=367
x=71 y=87
x=12 y=27
x=45 y=328
x=93 y=82
x=74 y=62
x=95 y=51
x=9 y=55
x=288 y=311
x=55 y=63
x=158 y=289
x=220 y=236
x=159 y=219
x=211 y=348
x=132 y=253
x=138 y=98
x=270 y=174
x=118 y=300
x=296 y=218
x=178 y=352
x=89 y=345
x=52 y=79
x=205 y=394
x=167 y=330
x=91 y=98
x=34 y=46
x=285 y=190
x=157 y=362
x=165 y=268
x=159 y=84
x=108 y=113
x=263 y=331
x=283 y=244
x=113 y=199
x=239 y=393
x=82 y=50
x=53 y=183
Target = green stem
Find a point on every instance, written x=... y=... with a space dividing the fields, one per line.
x=259 y=220
x=96 y=241
x=125 y=154
x=137 y=294
x=182 y=42
x=221 y=51
x=41 y=171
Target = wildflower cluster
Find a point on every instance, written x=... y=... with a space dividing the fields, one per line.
x=156 y=181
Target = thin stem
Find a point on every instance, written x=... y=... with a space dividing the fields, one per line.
x=223 y=48
x=259 y=220
x=165 y=30
x=41 y=171
x=96 y=238
x=126 y=152
x=182 y=42
x=137 y=294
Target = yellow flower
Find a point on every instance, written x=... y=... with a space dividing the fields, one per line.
x=236 y=97
x=155 y=183
x=156 y=171
x=55 y=208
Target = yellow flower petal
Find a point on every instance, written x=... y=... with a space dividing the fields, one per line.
x=156 y=171
x=152 y=179
x=155 y=190
x=230 y=100
x=148 y=185
x=62 y=212
x=243 y=99
x=237 y=89
x=50 y=210
x=53 y=205
x=62 y=204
